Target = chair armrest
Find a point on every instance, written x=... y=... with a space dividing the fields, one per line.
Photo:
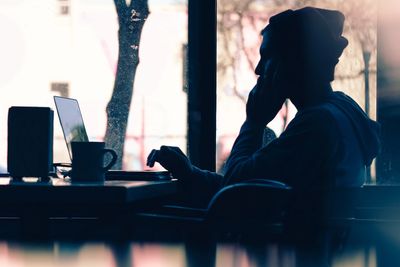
x=258 y=199
x=272 y=183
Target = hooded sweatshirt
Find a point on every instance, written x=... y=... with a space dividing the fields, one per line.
x=328 y=145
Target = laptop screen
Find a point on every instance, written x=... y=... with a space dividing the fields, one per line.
x=71 y=121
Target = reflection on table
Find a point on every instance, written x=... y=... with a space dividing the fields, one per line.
x=167 y=254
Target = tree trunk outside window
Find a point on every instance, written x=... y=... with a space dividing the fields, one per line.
x=131 y=18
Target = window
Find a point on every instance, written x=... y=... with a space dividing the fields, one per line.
x=239 y=26
x=76 y=56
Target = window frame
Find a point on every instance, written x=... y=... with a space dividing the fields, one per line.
x=202 y=83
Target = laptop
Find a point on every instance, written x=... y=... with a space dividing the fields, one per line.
x=74 y=130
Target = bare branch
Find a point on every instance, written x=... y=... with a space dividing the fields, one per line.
x=235 y=87
x=248 y=57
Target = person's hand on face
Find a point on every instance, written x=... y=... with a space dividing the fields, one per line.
x=267 y=97
x=172 y=159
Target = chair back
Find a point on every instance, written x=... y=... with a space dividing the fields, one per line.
x=253 y=200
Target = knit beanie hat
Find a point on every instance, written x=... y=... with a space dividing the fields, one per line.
x=310 y=37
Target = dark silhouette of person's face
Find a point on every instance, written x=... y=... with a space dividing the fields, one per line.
x=292 y=82
x=265 y=53
x=271 y=62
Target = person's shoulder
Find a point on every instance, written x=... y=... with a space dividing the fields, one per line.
x=316 y=115
x=317 y=111
x=315 y=123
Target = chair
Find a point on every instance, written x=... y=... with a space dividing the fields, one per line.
x=251 y=207
x=256 y=207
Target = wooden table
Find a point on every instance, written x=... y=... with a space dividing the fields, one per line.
x=36 y=203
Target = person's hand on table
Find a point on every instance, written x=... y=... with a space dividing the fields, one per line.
x=173 y=159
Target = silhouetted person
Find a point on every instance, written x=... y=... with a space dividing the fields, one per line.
x=330 y=141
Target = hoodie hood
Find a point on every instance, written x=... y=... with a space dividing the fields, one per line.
x=367 y=130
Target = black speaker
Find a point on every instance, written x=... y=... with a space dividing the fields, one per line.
x=30 y=142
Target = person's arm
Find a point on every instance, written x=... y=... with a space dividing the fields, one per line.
x=247 y=143
x=300 y=151
x=202 y=183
